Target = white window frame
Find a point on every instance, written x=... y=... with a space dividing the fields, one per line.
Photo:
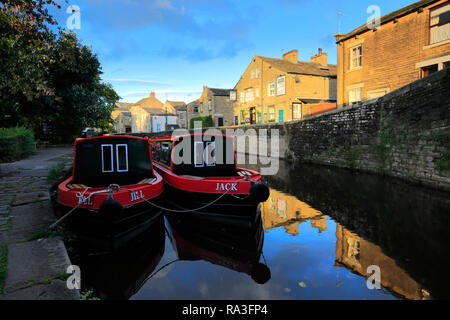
x=271 y=89
x=206 y=154
x=117 y=156
x=249 y=95
x=350 y=93
x=434 y=26
x=242 y=96
x=281 y=80
x=352 y=57
x=112 y=158
x=257 y=92
x=209 y=105
x=195 y=155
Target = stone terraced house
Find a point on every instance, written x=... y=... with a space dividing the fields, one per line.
x=409 y=44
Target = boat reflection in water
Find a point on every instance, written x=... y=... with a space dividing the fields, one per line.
x=235 y=248
x=119 y=274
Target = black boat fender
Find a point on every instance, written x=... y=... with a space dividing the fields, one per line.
x=260 y=192
x=110 y=206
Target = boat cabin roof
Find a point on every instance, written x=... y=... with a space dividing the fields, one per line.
x=105 y=160
x=210 y=156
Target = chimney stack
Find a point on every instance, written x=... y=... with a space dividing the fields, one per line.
x=291 y=56
x=320 y=58
x=152 y=94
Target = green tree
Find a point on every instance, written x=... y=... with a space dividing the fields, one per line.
x=46 y=77
x=24 y=44
x=82 y=99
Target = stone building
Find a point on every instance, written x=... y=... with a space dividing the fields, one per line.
x=215 y=103
x=410 y=43
x=279 y=90
x=122 y=118
x=180 y=109
x=144 y=109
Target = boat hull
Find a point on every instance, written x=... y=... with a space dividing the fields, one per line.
x=110 y=231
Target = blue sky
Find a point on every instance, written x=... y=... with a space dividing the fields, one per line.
x=176 y=47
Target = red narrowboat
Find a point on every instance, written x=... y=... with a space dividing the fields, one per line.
x=112 y=186
x=200 y=172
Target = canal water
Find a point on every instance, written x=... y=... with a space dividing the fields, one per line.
x=322 y=234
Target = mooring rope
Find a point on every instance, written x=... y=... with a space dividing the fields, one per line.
x=83 y=200
x=192 y=210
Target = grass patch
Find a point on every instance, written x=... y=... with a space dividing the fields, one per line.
x=88 y=295
x=56 y=172
x=3 y=265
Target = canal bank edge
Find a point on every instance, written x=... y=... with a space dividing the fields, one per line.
x=34 y=260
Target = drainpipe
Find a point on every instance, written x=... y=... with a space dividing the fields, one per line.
x=261 y=93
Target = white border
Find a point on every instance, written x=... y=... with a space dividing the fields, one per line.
x=195 y=155
x=112 y=158
x=207 y=155
x=117 y=156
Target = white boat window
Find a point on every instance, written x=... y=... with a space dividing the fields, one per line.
x=122 y=157
x=210 y=154
x=198 y=154
x=107 y=158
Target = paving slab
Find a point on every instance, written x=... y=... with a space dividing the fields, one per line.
x=30 y=197
x=29 y=219
x=35 y=262
x=56 y=290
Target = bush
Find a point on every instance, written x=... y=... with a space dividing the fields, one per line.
x=207 y=122
x=15 y=143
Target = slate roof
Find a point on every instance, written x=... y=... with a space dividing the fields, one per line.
x=388 y=17
x=300 y=67
x=220 y=92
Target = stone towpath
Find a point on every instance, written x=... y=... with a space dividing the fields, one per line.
x=36 y=268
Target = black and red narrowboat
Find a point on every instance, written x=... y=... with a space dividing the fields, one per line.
x=111 y=190
x=200 y=171
x=234 y=248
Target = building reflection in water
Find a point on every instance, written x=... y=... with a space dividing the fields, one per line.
x=352 y=251
x=282 y=210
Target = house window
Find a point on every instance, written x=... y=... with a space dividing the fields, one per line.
x=440 y=24
x=426 y=71
x=257 y=92
x=271 y=89
x=355 y=95
x=256 y=73
x=249 y=95
x=107 y=158
x=236 y=120
x=271 y=113
x=181 y=116
x=355 y=57
x=296 y=111
x=281 y=85
x=195 y=109
x=209 y=105
x=122 y=157
x=244 y=117
x=242 y=97
x=253 y=74
x=201 y=107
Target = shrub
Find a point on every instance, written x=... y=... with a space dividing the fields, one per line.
x=15 y=143
x=207 y=122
